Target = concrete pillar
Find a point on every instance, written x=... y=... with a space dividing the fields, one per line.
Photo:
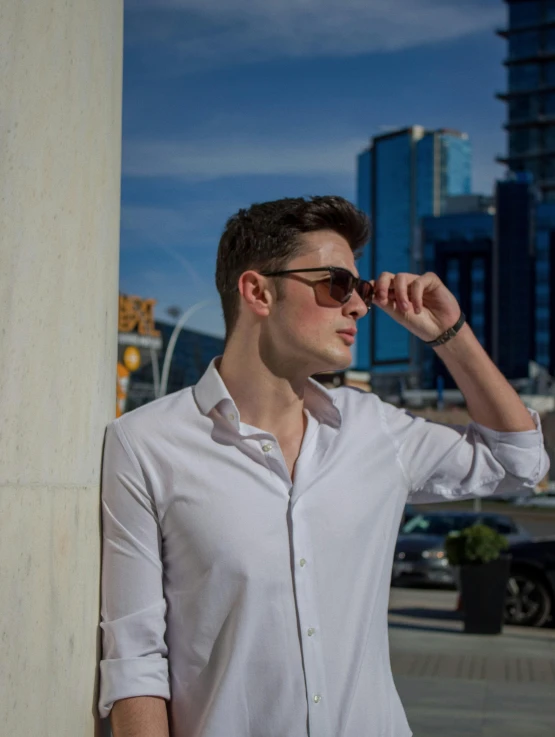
x=60 y=142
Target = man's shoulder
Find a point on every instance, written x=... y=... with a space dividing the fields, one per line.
x=352 y=401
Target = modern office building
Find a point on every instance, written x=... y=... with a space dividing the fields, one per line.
x=402 y=177
x=544 y=273
x=459 y=248
x=530 y=92
x=513 y=281
x=500 y=267
x=193 y=352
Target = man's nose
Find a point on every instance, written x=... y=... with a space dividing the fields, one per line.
x=356 y=306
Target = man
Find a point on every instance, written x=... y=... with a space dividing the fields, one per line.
x=250 y=521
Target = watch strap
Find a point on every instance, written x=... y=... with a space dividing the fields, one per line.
x=448 y=334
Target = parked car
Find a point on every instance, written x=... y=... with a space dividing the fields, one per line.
x=420 y=551
x=408 y=513
x=543 y=499
x=530 y=598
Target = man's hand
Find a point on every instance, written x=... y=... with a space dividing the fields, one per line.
x=427 y=308
x=423 y=304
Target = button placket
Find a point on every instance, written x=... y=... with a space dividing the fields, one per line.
x=308 y=618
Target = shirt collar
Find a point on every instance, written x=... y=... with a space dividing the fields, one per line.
x=211 y=392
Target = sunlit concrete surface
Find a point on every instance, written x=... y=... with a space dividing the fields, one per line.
x=468 y=685
x=60 y=152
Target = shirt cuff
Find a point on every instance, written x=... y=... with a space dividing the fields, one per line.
x=125 y=678
x=522 y=439
x=522 y=454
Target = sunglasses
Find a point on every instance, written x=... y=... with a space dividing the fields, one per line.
x=342 y=283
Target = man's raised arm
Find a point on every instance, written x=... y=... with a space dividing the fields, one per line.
x=425 y=306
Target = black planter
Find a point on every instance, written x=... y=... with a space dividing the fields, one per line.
x=483 y=588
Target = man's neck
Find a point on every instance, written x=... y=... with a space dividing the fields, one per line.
x=266 y=400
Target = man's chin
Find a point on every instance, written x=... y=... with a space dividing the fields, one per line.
x=335 y=362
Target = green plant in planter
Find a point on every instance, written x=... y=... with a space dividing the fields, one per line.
x=474 y=545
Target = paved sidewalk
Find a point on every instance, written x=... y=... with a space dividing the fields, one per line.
x=457 y=685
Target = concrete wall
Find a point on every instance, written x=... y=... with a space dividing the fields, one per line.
x=60 y=143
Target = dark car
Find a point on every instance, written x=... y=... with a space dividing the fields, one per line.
x=530 y=596
x=420 y=556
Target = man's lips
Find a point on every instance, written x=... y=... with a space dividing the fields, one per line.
x=348 y=335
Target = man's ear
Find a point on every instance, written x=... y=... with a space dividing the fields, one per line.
x=256 y=293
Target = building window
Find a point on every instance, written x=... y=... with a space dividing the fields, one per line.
x=549 y=138
x=531 y=166
x=453 y=277
x=524 y=44
x=549 y=168
x=549 y=73
x=549 y=103
x=549 y=39
x=525 y=76
x=542 y=269
x=521 y=108
x=523 y=140
x=524 y=14
x=518 y=141
x=478 y=299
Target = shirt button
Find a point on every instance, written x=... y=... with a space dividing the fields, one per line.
x=266 y=448
x=231 y=417
x=316 y=698
x=311 y=631
x=302 y=562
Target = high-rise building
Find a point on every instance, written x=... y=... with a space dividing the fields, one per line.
x=513 y=283
x=402 y=177
x=530 y=93
x=191 y=357
x=544 y=273
x=499 y=264
x=458 y=247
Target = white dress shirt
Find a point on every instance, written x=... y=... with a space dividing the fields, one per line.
x=256 y=604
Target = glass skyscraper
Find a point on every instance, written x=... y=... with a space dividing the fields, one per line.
x=544 y=268
x=459 y=248
x=530 y=94
x=500 y=268
x=402 y=177
x=191 y=357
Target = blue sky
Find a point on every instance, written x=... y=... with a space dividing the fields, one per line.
x=229 y=102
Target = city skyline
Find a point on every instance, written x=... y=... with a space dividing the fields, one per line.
x=225 y=105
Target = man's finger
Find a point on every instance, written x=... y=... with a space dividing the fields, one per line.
x=417 y=294
x=401 y=291
x=383 y=285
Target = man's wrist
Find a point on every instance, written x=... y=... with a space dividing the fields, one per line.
x=448 y=334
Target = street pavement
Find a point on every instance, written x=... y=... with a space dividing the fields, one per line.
x=458 y=685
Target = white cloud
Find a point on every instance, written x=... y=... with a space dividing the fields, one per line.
x=206 y=160
x=227 y=31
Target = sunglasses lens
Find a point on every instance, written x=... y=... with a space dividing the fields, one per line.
x=341 y=285
x=364 y=289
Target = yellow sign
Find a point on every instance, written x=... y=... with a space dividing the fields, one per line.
x=137 y=314
x=131 y=358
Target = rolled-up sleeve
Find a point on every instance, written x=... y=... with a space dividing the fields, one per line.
x=450 y=462
x=134 y=652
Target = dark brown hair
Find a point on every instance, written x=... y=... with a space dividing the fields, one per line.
x=268 y=235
